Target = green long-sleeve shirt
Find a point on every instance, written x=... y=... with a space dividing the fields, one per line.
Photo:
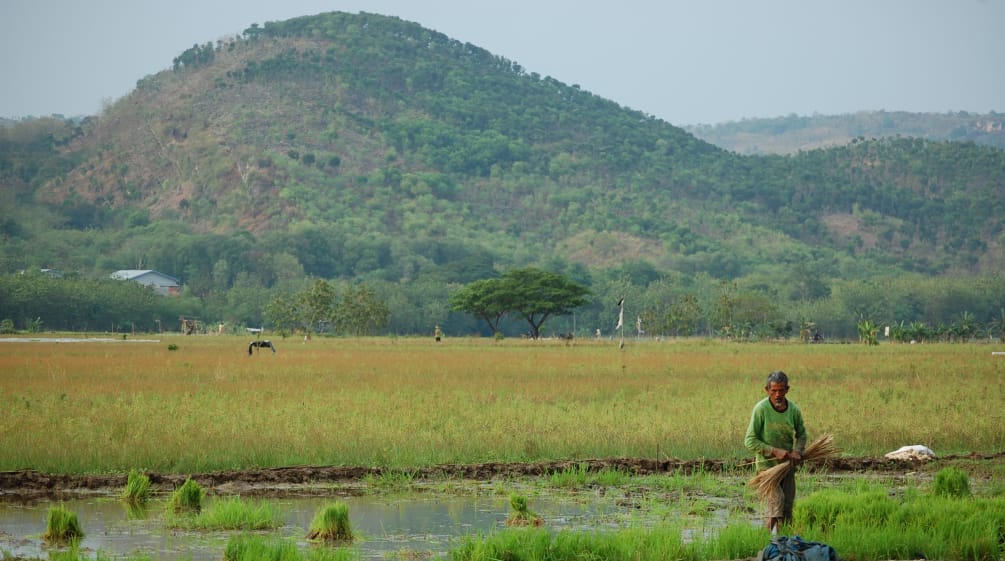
x=770 y=429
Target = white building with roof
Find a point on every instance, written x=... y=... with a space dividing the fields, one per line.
x=161 y=283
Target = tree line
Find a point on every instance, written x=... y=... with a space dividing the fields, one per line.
x=529 y=301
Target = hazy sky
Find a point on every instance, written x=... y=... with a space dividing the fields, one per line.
x=687 y=62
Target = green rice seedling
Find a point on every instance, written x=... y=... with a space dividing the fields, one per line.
x=662 y=542
x=701 y=481
x=246 y=547
x=737 y=540
x=675 y=481
x=503 y=545
x=62 y=526
x=875 y=525
x=570 y=478
x=137 y=489
x=331 y=523
x=952 y=482
x=187 y=498
x=521 y=514
x=608 y=477
x=231 y=513
x=390 y=480
x=73 y=553
x=252 y=547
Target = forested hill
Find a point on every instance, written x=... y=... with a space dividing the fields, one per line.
x=365 y=146
x=792 y=133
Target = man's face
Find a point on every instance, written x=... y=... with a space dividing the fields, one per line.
x=776 y=394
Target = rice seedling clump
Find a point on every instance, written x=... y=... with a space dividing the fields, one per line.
x=137 y=489
x=331 y=523
x=521 y=514
x=62 y=526
x=952 y=482
x=188 y=497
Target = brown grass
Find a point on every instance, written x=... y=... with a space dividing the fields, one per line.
x=767 y=482
x=408 y=402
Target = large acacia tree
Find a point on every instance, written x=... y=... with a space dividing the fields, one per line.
x=529 y=293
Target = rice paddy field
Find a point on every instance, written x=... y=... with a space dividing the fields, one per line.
x=187 y=404
x=99 y=407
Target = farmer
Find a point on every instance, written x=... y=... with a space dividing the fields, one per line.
x=776 y=434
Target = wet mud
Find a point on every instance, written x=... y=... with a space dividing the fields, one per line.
x=298 y=480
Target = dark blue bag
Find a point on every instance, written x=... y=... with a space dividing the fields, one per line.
x=783 y=548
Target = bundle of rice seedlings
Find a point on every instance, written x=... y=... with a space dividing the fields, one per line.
x=62 y=525
x=767 y=482
x=331 y=524
x=137 y=489
x=188 y=497
x=521 y=514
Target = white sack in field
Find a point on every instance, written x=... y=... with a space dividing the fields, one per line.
x=911 y=452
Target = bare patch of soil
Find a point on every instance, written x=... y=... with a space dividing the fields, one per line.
x=31 y=484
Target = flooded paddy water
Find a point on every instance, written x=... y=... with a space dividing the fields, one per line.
x=424 y=518
x=420 y=523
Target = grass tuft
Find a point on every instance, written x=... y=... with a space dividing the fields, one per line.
x=390 y=480
x=231 y=513
x=187 y=498
x=570 y=478
x=869 y=523
x=331 y=523
x=137 y=489
x=249 y=547
x=952 y=482
x=62 y=526
x=521 y=514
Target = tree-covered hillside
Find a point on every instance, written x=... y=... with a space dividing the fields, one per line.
x=367 y=148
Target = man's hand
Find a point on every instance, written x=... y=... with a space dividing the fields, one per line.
x=779 y=454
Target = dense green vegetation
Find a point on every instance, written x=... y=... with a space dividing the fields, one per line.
x=373 y=152
x=912 y=306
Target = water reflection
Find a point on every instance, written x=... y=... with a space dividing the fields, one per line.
x=417 y=524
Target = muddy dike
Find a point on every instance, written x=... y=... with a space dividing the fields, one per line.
x=297 y=480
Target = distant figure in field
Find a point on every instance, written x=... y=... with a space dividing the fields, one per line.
x=437 y=333
x=257 y=345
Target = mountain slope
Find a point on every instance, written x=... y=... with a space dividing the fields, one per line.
x=365 y=145
x=788 y=135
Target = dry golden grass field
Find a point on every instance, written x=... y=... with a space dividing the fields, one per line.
x=108 y=406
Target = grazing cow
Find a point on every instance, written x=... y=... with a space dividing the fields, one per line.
x=257 y=345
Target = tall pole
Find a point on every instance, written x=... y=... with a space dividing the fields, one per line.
x=621 y=321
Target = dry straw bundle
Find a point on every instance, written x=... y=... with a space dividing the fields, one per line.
x=767 y=482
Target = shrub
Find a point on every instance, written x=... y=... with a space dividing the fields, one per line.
x=952 y=482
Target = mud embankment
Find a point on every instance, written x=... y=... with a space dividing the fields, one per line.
x=31 y=483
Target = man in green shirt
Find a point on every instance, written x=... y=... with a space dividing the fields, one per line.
x=776 y=433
